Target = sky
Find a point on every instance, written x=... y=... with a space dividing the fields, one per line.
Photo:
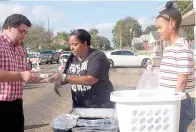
x=65 y=15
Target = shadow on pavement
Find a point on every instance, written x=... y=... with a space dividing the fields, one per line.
x=28 y=127
x=127 y=67
x=33 y=86
x=121 y=87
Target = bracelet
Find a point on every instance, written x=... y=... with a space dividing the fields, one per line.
x=63 y=77
x=178 y=92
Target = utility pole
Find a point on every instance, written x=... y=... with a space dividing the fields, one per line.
x=120 y=42
x=98 y=42
x=48 y=23
x=131 y=39
x=48 y=34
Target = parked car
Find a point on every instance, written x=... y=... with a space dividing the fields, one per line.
x=64 y=56
x=48 y=56
x=33 y=58
x=124 y=58
x=66 y=53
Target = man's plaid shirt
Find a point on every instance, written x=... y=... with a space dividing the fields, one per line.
x=11 y=59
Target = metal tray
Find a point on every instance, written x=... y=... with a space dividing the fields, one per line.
x=93 y=113
x=83 y=129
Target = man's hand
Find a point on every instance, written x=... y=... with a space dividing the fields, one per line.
x=35 y=77
x=25 y=75
x=30 y=76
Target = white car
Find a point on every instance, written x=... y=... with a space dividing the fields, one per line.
x=125 y=58
x=64 y=56
x=66 y=53
x=33 y=58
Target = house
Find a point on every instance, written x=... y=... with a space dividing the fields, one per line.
x=145 y=39
x=142 y=39
x=158 y=45
x=188 y=19
x=136 y=40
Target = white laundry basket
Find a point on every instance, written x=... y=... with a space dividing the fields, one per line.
x=152 y=110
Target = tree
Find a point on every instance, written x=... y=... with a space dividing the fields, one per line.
x=97 y=41
x=103 y=43
x=182 y=5
x=122 y=37
x=149 y=28
x=94 y=32
x=94 y=37
x=61 y=40
x=39 y=38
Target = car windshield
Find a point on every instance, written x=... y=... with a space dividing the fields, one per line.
x=66 y=52
x=32 y=56
x=46 y=52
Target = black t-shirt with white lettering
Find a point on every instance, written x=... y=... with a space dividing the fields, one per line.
x=96 y=65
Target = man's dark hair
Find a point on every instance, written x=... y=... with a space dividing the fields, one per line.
x=82 y=35
x=15 y=20
x=171 y=13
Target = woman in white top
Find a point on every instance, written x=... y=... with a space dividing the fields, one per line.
x=177 y=65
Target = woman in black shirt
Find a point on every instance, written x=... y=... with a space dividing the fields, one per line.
x=87 y=72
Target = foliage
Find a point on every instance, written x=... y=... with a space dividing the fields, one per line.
x=124 y=30
x=41 y=39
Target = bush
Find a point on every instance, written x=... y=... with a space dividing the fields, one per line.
x=138 y=46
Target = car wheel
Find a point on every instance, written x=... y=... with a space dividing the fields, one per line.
x=51 y=61
x=144 y=63
x=57 y=61
x=111 y=63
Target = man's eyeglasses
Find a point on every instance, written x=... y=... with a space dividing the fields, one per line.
x=23 y=32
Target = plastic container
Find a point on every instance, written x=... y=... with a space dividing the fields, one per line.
x=151 y=110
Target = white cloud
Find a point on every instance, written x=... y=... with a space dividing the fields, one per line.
x=105 y=29
x=41 y=12
x=6 y=10
x=38 y=12
x=144 y=21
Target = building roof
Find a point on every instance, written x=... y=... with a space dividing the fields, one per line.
x=188 y=19
x=137 y=40
x=145 y=37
